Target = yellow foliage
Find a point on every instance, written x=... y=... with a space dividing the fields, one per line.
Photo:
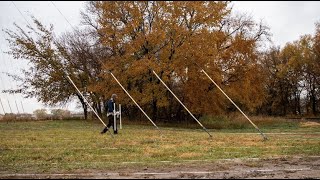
x=176 y=39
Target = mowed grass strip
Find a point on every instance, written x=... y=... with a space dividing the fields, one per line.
x=65 y=146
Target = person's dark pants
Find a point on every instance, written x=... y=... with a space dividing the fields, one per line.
x=111 y=123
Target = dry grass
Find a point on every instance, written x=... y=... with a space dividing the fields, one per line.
x=309 y=124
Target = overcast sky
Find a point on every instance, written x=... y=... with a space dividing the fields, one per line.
x=288 y=20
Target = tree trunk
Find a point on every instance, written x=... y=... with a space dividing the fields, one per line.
x=169 y=114
x=298 y=104
x=97 y=107
x=84 y=106
x=179 y=113
x=154 y=109
x=85 y=111
x=296 y=109
x=313 y=102
x=313 y=98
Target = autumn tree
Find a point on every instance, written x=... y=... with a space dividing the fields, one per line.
x=274 y=84
x=293 y=77
x=169 y=38
x=308 y=74
x=283 y=84
x=316 y=64
x=85 y=58
x=50 y=59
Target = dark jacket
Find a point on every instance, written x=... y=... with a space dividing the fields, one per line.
x=109 y=106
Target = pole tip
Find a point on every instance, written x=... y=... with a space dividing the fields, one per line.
x=265 y=138
x=107 y=71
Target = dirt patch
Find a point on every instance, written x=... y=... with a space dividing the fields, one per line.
x=297 y=167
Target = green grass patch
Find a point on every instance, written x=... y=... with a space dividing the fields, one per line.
x=70 y=145
x=240 y=122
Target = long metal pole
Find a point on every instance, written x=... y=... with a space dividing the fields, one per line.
x=181 y=103
x=10 y=106
x=17 y=106
x=114 y=117
x=134 y=101
x=263 y=135
x=88 y=103
x=2 y=107
x=22 y=107
x=120 y=116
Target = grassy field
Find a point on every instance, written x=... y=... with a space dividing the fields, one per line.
x=67 y=146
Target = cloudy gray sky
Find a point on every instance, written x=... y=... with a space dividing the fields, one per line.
x=288 y=20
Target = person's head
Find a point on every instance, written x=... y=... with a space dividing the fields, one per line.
x=114 y=96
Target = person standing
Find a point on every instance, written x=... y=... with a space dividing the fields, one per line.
x=109 y=108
